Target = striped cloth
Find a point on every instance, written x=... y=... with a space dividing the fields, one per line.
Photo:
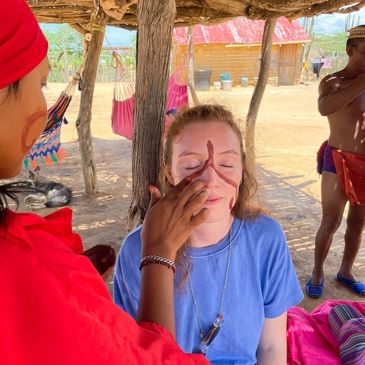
x=339 y=314
x=348 y=326
x=352 y=342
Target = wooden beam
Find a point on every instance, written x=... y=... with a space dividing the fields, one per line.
x=81 y=28
x=233 y=7
x=155 y=25
x=258 y=92
x=327 y=7
x=84 y=118
x=116 y=8
x=123 y=12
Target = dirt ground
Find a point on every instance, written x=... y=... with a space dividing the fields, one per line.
x=288 y=134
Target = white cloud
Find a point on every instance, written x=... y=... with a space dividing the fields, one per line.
x=334 y=23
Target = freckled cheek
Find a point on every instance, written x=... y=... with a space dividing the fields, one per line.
x=179 y=173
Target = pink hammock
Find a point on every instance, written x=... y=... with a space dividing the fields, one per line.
x=123 y=100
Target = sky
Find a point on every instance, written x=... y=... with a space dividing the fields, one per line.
x=325 y=24
x=334 y=23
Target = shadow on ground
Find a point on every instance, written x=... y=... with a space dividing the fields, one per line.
x=300 y=214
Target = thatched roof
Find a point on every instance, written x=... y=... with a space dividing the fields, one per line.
x=124 y=12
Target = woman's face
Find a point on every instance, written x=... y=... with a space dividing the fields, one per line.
x=23 y=117
x=223 y=176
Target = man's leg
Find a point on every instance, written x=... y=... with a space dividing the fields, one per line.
x=333 y=205
x=355 y=226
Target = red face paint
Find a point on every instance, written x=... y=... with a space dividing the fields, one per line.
x=30 y=121
x=207 y=163
x=210 y=162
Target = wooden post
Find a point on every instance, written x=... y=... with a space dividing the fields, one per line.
x=191 y=83
x=155 y=24
x=83 y=121
x=308 y=28
x=259 y=92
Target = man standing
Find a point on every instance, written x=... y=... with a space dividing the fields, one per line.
x=342 y=164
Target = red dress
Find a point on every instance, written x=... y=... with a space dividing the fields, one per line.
x=55 y=308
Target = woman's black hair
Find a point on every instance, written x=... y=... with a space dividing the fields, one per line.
x=14 y=87
x=9 y=192
x=6 y=192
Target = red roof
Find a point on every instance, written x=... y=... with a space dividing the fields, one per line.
x=243 y=31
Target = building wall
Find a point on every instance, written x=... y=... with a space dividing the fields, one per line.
x=243 y=60
x=299 y=62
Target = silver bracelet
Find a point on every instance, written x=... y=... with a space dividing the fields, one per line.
x=154 y=259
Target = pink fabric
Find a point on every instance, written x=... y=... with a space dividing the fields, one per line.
x=122 y=112
x=327 y=63
x=177 y=94
x=309 y=336
x=122 y=117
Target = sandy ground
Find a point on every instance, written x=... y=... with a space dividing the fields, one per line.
x=289 y=131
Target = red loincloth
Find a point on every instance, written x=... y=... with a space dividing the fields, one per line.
x=350 y=169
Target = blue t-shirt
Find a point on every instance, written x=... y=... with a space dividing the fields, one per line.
x=261 y=284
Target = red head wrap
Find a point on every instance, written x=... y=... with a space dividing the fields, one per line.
x=22 y=43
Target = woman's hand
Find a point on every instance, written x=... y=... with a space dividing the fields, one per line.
x=171 y=219
x=168 y=223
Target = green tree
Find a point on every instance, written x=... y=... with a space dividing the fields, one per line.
x=332 y=46
x=65 y=52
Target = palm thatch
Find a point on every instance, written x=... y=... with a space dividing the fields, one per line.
x=123 y=13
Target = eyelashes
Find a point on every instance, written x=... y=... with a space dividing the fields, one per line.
x=196 y=167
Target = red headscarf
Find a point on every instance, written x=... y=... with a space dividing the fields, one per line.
x=22 y=43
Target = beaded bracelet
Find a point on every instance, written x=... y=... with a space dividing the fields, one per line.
x=154 y=259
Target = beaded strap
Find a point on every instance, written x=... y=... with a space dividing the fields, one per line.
x=154 y=259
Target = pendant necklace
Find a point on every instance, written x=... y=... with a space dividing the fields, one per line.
x=207 y=339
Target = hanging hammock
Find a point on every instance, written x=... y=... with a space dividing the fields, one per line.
x=123 y=100
x=47 y=149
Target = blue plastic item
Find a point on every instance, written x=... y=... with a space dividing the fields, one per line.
x=226 y=76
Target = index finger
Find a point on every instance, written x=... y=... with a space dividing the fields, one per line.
x=178 y=188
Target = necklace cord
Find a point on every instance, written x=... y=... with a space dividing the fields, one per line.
x=219 y=318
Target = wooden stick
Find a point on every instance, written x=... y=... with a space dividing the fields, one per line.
x=191 y=83
x=259 y=92
x=84 y=118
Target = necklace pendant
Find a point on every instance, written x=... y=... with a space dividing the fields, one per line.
x=211 y=335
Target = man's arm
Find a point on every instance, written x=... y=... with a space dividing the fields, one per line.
x=333 y=98
x=272 y=345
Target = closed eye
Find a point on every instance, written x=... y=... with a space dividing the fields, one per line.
x=227 y=166
x=191 y=168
